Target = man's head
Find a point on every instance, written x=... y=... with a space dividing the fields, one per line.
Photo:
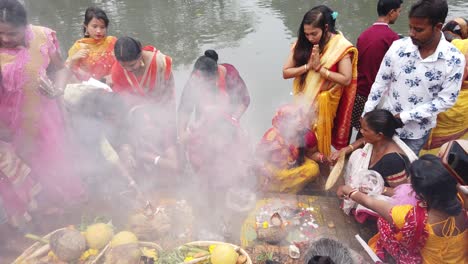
x=426 y=18
x=390 y=9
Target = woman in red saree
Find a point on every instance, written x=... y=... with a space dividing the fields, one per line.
x=143 y=75
x=213 y=130
x=93 y=55
x=144 y=72
x=239 y=98
x=433 y=231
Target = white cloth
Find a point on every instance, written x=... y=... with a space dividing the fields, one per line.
x=417 y=89
x=358 y=167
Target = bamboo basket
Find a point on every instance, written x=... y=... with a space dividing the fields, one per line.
x=38 y=250
x=240 y=250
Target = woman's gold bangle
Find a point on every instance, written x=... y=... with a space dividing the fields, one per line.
x=328 y=73
x=351 y=146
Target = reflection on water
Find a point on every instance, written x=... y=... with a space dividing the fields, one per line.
x=253 y=35
x=178 y=28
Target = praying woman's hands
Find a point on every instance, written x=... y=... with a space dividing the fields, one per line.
x=314 y=60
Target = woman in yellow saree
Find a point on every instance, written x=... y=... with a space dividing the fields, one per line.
x=287 y=154
x=93 y=55
x=323 y=64
x=453 y=123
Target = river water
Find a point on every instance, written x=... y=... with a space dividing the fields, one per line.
x=254 y=35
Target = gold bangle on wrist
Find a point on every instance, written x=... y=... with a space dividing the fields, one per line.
x=328 y=73
x=351 y=146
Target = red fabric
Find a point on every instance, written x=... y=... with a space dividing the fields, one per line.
x=372 y=45
x=310 y=140
x=285 y=152
x=235 y=86
x=121 y=84
x=413 y=237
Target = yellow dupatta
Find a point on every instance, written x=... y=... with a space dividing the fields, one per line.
x=335 y=101
x=453 y=123
x=100 y=58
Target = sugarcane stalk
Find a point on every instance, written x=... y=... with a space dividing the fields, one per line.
x=36 y=238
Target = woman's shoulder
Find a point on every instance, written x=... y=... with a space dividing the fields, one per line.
x=395 y=157
x=342 y=39
x=398 y=214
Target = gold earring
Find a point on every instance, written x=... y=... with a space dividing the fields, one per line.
x=142 y=63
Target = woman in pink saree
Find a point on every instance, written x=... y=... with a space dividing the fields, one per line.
x=27 y=55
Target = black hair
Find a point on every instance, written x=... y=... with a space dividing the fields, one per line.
x=212 y=54
x=433 y=183
x=94 y=12
x=127 y=49
x=206 y=66
x=383 y=121
x=434 y=10
x=13 y=12
x=319 y=17
x=385 y=6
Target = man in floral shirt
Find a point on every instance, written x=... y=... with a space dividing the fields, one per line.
x=420 y=76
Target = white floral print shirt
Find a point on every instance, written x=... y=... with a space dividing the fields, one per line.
x=418 y=89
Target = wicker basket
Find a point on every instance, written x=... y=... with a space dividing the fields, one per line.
x=38 y=250
x=240 y=250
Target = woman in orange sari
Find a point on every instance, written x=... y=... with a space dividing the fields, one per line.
x=433 y=231
x=93 y=55
x=323 y=64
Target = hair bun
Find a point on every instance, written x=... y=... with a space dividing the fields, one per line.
x=212 y=54
x=398 y=122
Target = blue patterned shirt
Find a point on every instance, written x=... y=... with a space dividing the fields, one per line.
x=418 y=89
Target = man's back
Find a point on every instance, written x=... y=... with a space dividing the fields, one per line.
x=372 y=45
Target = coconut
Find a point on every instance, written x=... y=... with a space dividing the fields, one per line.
x=124 y=254
x=68 y=244
x=123 y=238
x=98 y=235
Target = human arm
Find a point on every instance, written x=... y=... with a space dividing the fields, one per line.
x=77 y=52
x=290 y=70
x=347 y=150
x=56 y=70
x=381 y=207
x=185 y=110
x=442 y=100
x=463 y=191
x=237 y=90
x=344 y=74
